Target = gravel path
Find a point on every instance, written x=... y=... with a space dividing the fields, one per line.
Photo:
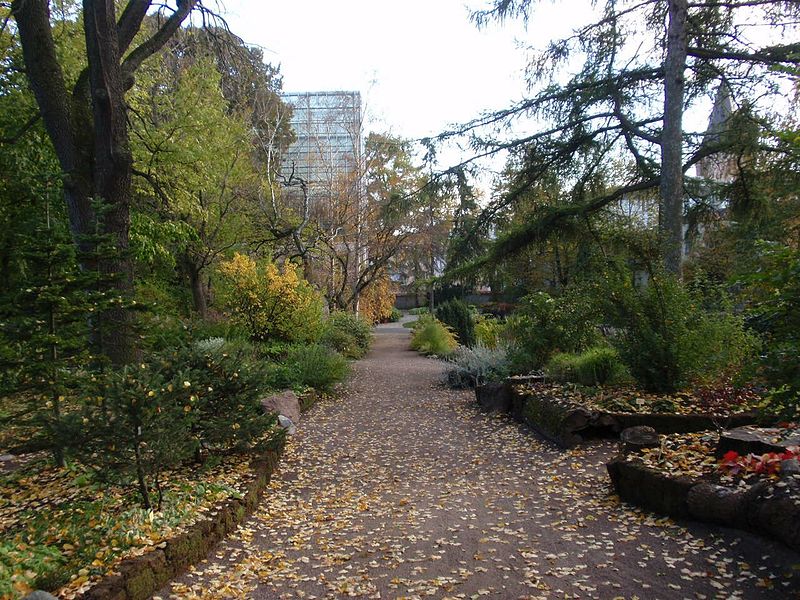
x=403 y=489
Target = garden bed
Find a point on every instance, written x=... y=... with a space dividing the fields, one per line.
x=567 y=414
x=684 y=477
x=63 y=532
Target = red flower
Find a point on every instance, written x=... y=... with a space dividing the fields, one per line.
x=730 y=456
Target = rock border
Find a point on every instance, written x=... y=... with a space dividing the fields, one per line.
x=770 y=509
x=567 y=423
x=139 y=577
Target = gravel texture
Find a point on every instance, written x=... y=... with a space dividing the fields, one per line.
x=403 y=489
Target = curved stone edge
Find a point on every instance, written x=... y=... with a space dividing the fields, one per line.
x=139 y=577
x=770 y=509
x=565 y=423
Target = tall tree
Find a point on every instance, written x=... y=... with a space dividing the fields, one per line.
x=626 y=102
x=88 y=127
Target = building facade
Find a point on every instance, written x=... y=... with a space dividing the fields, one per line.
x=329 y=141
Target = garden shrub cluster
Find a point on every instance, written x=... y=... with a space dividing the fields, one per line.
x=669 y=339
x=663 y=336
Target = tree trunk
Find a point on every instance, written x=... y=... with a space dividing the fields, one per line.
x=112 y=172
x=92 y=143
x=670 y=217
x=199 y=290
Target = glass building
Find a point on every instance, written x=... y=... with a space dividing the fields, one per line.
x=329 y=141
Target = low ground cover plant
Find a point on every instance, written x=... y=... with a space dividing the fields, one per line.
x=723 y=401
x=694 y=455
x=90 y=525
x=471 y=367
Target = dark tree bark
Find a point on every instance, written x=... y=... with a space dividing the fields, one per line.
x=198 y=286
x=88 y=129
x=671 y=187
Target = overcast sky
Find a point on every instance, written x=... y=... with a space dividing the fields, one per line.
x=419 y=64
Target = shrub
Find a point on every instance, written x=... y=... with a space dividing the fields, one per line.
x=228 y=379
x=431 y=337
x=348 y=334
x=594 y=366
x=316 y=366
x=136 y=423
x=395 y=315
x=668 y=340
x=342 y=342
x=545 y=324
x=477 y=365
x=488 y=331
x=140 y=420
x=775 y=289
x=271 y=304
x=457 y=315
x=421 y=310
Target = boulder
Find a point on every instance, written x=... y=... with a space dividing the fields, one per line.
x=775 y=511
x=790 y=467
x=285 y=403
x=287 y=424
x=756 y=440
x=39 y=595
x=640 y=485
x=637 y=438
x=717 y=504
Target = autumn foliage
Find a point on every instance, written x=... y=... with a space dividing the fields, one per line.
x=271 y=303
x=377 y=300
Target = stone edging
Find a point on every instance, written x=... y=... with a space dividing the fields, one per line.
x=139 y=577
x=565 y=423
x=767 y=508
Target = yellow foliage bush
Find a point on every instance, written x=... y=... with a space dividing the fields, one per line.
x=377 y=300
x=271 y=303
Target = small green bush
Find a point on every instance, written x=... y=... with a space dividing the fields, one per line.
x=431 y=337
x=546 y=324
x=316 y=366
x=458 y=316
x=395 y=315
x=342 y=342
x=422 y=310
x=348 y=334
x=477 y=365
x=595 y=366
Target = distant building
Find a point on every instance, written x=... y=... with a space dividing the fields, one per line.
x=718 y=167
x=329 y=140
